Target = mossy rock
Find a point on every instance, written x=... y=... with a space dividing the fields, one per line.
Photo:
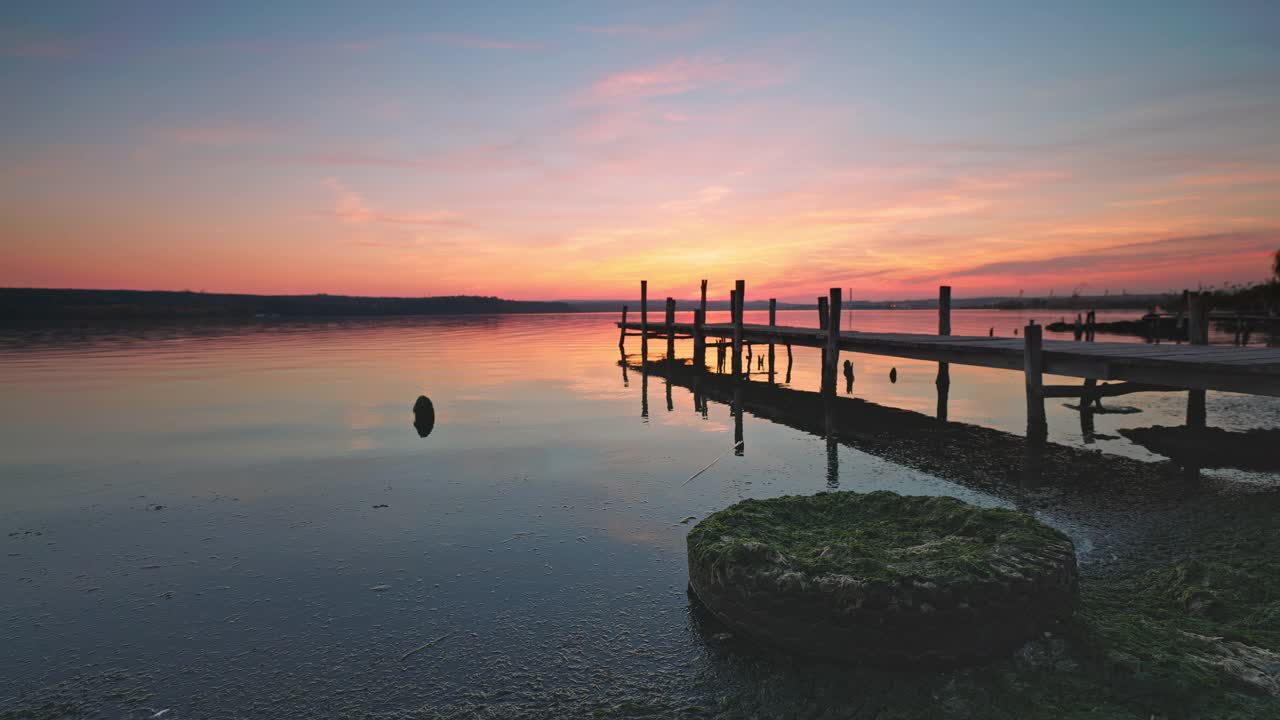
x=882 y=578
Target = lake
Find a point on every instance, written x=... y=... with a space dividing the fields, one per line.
x=241 y=521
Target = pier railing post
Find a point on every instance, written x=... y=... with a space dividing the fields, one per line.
x=703 y=306
x=644 y=321
x=1197 y=334
x=773 y=322
x=833 y=343
x=1033 y=368
x=943 y=381
x=739 y=293
x=671 y=334
x=622 y=332
x=824 y=317
x=699 y=341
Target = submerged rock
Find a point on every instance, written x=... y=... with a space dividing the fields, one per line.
x=881 y=578
x=424 y=416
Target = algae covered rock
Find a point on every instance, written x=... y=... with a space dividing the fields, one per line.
x=882 y=578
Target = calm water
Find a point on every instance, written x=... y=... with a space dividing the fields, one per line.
x=245 y=522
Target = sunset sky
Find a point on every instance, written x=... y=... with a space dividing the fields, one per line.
x=567 y=150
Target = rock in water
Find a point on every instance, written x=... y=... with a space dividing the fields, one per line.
x=424 y=416
x=882 y=578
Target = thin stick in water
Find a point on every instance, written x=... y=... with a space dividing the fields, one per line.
x=713 y=462
x=425 y=646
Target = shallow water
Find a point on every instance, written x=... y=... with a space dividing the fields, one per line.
x=244 y=519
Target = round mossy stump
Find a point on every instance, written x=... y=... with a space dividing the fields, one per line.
x=882 y=578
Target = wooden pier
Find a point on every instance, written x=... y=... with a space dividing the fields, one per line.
x=1192 y=368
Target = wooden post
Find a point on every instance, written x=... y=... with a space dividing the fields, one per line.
x=699 y=340
x=824 y=316
x=622 y=333
x=644 y=321
x=943 y=381
x=1033 y=369
x=671 y=334
x=773 y=322
x=1091 y=322
x=1197 y=334
x=833 y=342
x=704 y=301
x=740 y=291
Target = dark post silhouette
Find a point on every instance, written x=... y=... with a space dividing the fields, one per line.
x=824 y=316
x=622 y=333
x=1197 y=334
x=739 y=287
x=703 y=306
x=699 y=340
x=1033 y=368
x=671 y=335
x=943 y=382
x=833 y=343
x=644 y=322
x=773 y=322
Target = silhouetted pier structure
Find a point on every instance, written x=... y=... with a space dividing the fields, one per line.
x=1192 y=368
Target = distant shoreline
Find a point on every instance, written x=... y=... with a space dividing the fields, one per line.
x=36 y=307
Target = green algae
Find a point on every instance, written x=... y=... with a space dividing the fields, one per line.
x=876 y=537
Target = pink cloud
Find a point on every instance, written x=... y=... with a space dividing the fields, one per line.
x=1233 y=177
x=350 y=207
x=678 y=77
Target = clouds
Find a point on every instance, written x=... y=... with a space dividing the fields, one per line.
x=679 y=76
x=350 y=207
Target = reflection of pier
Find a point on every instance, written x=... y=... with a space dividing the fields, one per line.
x=978 y=457
x=1139 y=368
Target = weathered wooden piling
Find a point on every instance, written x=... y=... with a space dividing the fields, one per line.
x=671 y=335
x=622 y=331
x=773 y=322
x=703 y=306
x=699 y=340
x=833 y=343
x=1033 y=370
x=943 y=381
x=824 y=316
x=1197 y=334
x=644 y=321
x=739 y=293
x=1091 y=326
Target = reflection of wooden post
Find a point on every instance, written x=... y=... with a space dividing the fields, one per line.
x=671 y=328
x=740 y=289
x=699 y=340
x=644 y=321
x=833 y=342
x=943 y=381
x=1033 y=368
x=622 y=334
x=1197 y=334
x=773 y=322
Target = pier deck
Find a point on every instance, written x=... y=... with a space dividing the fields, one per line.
x=1201 y=367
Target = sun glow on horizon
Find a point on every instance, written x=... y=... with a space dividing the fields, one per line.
x=550 y=155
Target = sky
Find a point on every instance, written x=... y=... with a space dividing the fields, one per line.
x=568 y=150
